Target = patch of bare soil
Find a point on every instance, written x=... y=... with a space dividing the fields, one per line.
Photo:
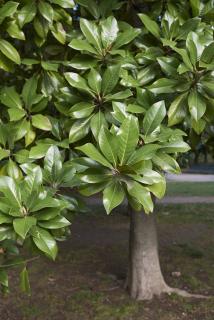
x=86 y=281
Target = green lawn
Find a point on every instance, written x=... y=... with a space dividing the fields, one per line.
x=190 y=189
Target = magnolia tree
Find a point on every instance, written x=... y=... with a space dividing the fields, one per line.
x=100 y=101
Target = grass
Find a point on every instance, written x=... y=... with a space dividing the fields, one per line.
x=86 y=282
x=190 y=189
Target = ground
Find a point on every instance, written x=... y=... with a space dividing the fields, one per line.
x=86 y=281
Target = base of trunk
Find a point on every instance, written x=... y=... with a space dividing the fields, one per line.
x=145 y=279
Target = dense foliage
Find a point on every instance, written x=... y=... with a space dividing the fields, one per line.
x=91 y=103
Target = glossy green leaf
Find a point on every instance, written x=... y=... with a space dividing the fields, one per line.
x=41 y=122
x=90 y=150
x=109 y=31
x=9 y=51
x=24 y=281
x=46 y=10
x=44 y=241
x=108 y=145
x=23 y=225
x=79 y=130
x=166 y=163
x=150 y=25
x=153 y=117
x=177 y=112
x=95 y=81
x=82 y=45
x=110 y=78
x=141 y=194
x=11 y=191
x=113 y=196
x=128 y=137
x=76 y=81
x=56 y=223
x=91 y=32
x=197 y=105
x=81 y=110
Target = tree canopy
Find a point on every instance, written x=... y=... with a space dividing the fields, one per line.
x=95 y=99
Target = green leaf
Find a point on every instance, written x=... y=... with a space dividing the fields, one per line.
x=8 y=9
x=29 y=91
x=82 y=45
x=64 y=3
x=91 y=6
x=24 y=281
x=128 y=137
x=44 y=242
x=98 y=121
x=23 y=225
x=189 y=25
x=95 y=81
x=9 y=51
x=90 y=150
x=39 y=151
x=126 y=37
x=150 y=25
x=166 y=163
x=208 y=54
x=11 y=191
x=195 y=4
x=81 y=110
x=79 y=130
x=91 y=32
x=59 y=32
x=33 y=181
x=177 y=111
x=10 y=98
x=16 y=114
x=119 y=95
x=47 y=214
x=153 y=117
x=158 y=189
x=108 y=146
x=109 y=31
x=53 y=163
x=41 y=122
x=113 y=196
x=141 y=194
x=5 y=218
x=175 y=146
x=4 y=153
x=46 y=10
x=14 y=31
x=13 y=170
x=56 y=223
x=110 y=79
x=198 y=126
x=4 y=278
x=76 y=81
x=197 y=105
x=146 y=152
x=163 y=85
x=27 y=13
x=194 y=46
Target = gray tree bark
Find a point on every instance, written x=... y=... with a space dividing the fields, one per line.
x=145 y=279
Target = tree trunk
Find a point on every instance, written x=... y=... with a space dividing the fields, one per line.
x=145 y=279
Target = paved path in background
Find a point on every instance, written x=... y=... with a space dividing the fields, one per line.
x=189 y=177
x=166 y=200
x=182 y=199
